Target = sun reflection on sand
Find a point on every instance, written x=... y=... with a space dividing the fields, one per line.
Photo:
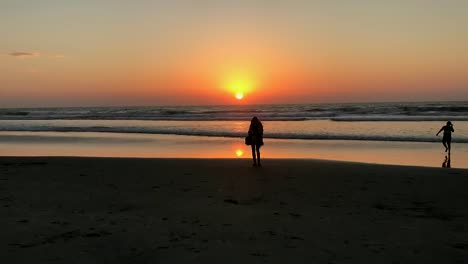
x=238 y=150
x=239 y=153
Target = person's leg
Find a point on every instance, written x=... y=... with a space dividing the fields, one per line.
x=445 y=145
x=448 y=145
x=253 y=155
x=258 y=154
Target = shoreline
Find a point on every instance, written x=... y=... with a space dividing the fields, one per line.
x=79 y=144
x=388 y=131
x=246 y=162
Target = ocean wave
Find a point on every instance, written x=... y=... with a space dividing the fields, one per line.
x=17 y=113
x=336 y=112
x=238 y=117
x=312 y=136
x=398 y=118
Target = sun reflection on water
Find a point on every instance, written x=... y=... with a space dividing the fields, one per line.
x=239 y=153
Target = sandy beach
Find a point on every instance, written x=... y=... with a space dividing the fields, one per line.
x=111 y=210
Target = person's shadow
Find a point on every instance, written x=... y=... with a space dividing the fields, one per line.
x=446 y=163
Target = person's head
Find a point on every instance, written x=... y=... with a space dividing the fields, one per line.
x=449 y=123
x=255 y=120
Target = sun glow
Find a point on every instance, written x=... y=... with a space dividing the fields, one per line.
x=239 y=153
x=239 y=85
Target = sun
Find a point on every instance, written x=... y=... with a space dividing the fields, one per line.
x=239 y=85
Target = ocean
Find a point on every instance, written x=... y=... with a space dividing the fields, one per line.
x=405 y=122
x=385 y=133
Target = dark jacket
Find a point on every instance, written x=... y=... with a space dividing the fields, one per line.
x=256 y=132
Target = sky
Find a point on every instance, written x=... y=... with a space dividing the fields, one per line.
x=100 y=53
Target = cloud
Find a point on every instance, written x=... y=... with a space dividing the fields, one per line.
x=25 y=54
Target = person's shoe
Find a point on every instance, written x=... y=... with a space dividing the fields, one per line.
x=259 y=165
x=254 y=165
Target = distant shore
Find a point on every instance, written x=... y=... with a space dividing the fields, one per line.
x=82 y=210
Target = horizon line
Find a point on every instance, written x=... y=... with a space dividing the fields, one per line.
x=239 y=105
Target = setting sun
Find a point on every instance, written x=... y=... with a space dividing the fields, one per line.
x=239 y=84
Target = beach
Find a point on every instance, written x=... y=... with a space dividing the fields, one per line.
x=244 y=132
x=340 y=183
x=134 y=210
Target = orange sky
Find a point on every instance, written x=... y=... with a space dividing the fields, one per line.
x=179 y=53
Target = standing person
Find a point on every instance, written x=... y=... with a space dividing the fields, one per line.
x=256 y=133
x=447 y=138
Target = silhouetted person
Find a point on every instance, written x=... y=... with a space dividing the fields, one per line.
x=256 y=133
x=447 y=138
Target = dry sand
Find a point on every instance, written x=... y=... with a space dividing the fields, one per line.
x=103 y=210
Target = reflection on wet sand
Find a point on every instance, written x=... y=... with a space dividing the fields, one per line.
x=446 y=163
x=239 y=153
x=173 y=146
x=236 y=148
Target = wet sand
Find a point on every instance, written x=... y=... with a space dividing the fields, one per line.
x=86 y=144
x=109 y=210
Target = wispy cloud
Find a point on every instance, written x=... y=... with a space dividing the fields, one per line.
x=20 y=54
x=25 y=55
